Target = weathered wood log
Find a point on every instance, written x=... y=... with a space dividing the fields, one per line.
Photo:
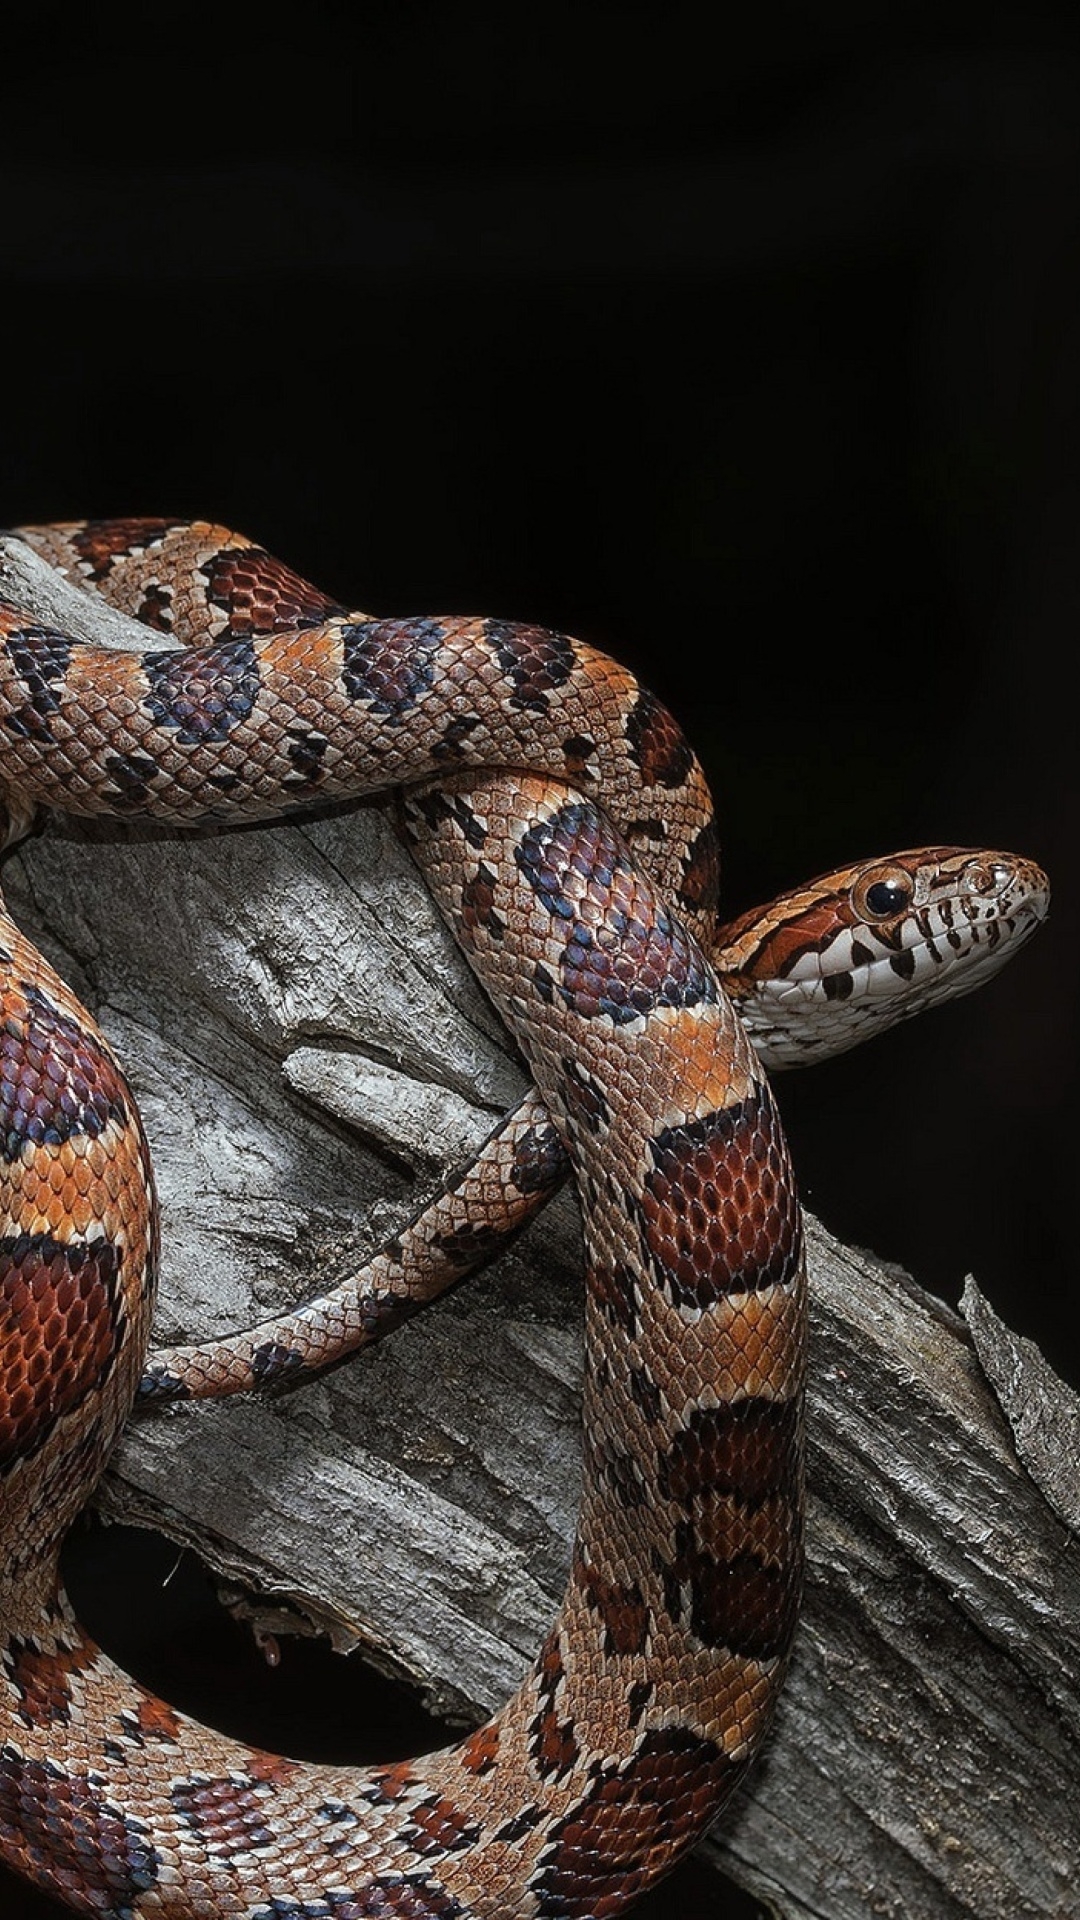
x=311 y=1058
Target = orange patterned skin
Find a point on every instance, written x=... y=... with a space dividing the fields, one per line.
x=589 y=926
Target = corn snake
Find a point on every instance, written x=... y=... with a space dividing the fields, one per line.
x=655 y=1685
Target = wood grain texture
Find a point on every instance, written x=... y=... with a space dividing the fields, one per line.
x=311 y=1057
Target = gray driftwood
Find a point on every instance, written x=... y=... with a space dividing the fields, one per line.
x=311 y=1057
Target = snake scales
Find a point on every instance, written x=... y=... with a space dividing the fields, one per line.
x=591 y=927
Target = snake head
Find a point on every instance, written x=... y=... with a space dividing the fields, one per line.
x=861 y=948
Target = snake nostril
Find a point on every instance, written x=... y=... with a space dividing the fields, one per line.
x=987 y=876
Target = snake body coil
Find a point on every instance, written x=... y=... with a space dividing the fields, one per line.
x=567 y=833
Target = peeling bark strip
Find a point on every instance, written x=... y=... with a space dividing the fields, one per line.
x=926 y=1756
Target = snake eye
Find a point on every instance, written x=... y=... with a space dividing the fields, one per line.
x=881 y=895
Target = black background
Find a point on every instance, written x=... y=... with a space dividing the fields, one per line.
x=751 y=354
